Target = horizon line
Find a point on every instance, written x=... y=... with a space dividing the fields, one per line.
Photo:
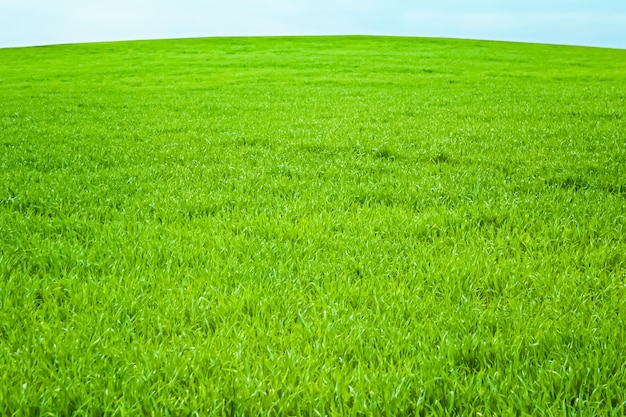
x=336 y=35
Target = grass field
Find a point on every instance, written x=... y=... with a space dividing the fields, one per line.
x=313 y=226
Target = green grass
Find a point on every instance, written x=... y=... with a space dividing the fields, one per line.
x=312 y=226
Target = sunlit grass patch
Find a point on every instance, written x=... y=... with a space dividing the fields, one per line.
x=344 y=225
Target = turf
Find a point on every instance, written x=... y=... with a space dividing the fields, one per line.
x=312 y=226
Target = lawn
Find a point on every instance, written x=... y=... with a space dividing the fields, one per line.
x=312 y=226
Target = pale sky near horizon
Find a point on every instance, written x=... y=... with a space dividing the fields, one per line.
x=574 y=22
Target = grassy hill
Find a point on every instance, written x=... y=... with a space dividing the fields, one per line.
x=309 y=226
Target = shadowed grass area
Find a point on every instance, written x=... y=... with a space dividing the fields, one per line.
x=312 y=226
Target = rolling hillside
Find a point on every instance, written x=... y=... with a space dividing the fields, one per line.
x=312 y=226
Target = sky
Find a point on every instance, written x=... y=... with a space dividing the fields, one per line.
x=572 y=22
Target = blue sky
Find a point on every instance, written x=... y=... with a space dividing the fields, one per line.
x=574 y=22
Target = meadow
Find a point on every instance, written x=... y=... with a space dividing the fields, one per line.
x=312 y=226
